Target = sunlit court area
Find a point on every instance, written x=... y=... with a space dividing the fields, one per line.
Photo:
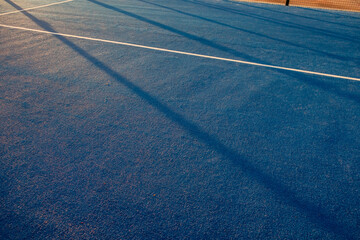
x=348 y=5
x=179 y=119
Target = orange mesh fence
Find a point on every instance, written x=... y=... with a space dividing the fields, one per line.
x=352 y=5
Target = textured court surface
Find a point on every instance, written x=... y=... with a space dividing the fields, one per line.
x=105 y=141
x=348 y=5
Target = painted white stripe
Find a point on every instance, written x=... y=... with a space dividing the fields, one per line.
x=42 y=6
x=183 y=53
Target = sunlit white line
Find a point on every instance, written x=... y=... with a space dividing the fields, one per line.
x=42 y=6
x=183 y=53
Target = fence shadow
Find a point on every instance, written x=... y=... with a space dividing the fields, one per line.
x=356 y=60
x=311 y=29
x=314 y=213
x=292 y=14
x=303 y=78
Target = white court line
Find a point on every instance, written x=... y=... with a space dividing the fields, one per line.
x=42 y=6
x=183 y=53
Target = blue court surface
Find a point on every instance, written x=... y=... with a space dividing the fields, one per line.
x=178 y=119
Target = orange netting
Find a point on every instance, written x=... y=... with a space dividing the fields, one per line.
x=352 y=5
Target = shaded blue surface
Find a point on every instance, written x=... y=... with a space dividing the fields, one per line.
x=109 y=142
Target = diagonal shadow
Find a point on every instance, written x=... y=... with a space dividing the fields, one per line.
x=201 y=40
x=315 y=214
x=274 y=20
x=324 y=85
x=303 y=78
x=292 y=14
x=254 y=33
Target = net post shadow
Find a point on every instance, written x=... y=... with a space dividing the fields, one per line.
x=315 y=214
